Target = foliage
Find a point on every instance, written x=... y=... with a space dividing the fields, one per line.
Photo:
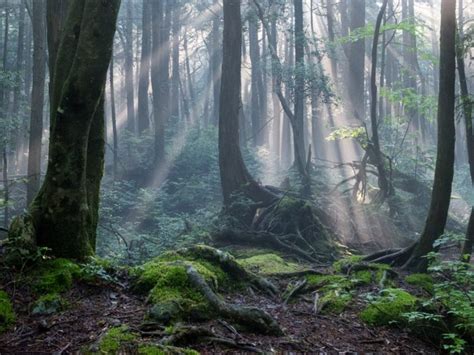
x=388 y=307
x=7 y=314
x=55 y=276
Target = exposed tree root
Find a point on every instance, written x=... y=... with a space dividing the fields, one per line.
x=250 y=317
x=394 y=257
x=229 y=265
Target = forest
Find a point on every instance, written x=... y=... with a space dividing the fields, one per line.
x=236 y=176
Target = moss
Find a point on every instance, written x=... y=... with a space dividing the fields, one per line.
x=7 y=315
x=363 y=277
x=116 y=339
x=147 y=349
x=424 y=281
x=389 y=307
x=344 y=263
x=55 y=276
x=335 y=301
x=48 y=304
x=329 y=282
x=269 y=264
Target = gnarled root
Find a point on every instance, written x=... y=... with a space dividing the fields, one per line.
x=394 y=257
x=250 y=317
x=229 y=265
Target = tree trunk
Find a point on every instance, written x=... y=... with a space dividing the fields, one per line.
x=467 y=113
x=144 y=76
x=356 y=89
x=444 y=170
x=175 y=97
x=256 y=81
x=234 y=175
x=63 y=214
x=129 y=85
x=37 y=98
x=114 y=118
x=216 y=64
x=378 y=157
x=160 y=75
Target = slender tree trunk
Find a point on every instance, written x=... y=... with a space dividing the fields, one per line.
x=37 y=99
x=256 y=77
x=378 y=157
x=129 y=85
x=444 y=170
x=216 y=64
x=175 y=97
x=298 y=126
x=467 y=105
x=192 y=95
x=275 y=101
x=144 y=76
x=114 y=118
x=356 y=87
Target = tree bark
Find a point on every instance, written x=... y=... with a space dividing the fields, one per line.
x=175 y=96
x=444 y=171
x=37 y=98
x=64 y=212
x=129 y=82
x=144 y=76
x=235 y=177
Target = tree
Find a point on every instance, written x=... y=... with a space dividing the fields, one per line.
x=235 y=177
x=374 y=148
x=144 y=76
x=63 y=216
x=467 y=113
x=355 y=84
x=127 y=43
x=414 y=256
x=37 y=98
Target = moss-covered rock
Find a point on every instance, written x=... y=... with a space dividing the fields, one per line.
x=48 y=304
x=169 y=290
x=363 y=277
x=120 y=340
x=423 y=281
x=117 y=339
x=269 y=264
x=345 y=263
x=329 y=282
x=335 y=301
x=389 y=307
x=55 y=276
x=7 y=314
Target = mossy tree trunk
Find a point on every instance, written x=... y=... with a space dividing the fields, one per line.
x=64 y=213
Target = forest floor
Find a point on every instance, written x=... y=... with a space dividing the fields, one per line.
x=94 y=308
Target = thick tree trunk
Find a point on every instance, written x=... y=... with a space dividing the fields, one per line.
x=64 y=213
x=37 y=98
x=234 y=175
x=144 y=76
x=444 y=170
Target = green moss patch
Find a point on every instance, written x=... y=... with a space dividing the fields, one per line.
x=120 y=340
x=345 y=263
x=335 y=301
x=269 y=264
x=423 y=281
x=7 y=315
x=116 y=339
x=55 y=276
x=48 y=304
x=389 y=307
